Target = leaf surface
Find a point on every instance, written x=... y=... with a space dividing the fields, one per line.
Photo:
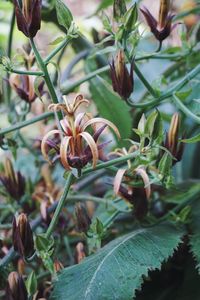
x=116 y=271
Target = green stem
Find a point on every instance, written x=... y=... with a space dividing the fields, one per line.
x=26 y=123
x=60 y=206
x=47 y=78
x=185 y=110
x=56 y=50
x=144 y=81
x=24 y=72
x=111 y=162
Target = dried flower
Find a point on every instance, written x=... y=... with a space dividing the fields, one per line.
x=24 y=87
x=162 y=28
x=71 y=148
x=172 y=139
x=80 y=252
x=28 y=15
x=22 y=236
x=58 y=266
x=82 y=217
x=16 y=289
x=13 y=182
x=122 y=80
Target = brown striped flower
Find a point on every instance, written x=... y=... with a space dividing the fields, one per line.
x=28 y=16
x=16 y=289
x=172 y=143
x=72 y=143
x=162 y=28
x=122 y=79
x=24 y=87
x=13 y=182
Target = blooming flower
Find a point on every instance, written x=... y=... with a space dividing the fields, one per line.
x=162 y=28
x=75 y=146
x=28 y=16
x=122 y=80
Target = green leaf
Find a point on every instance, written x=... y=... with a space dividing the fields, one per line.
x=31 y=283
x=195 y=237
x=193 y=139
x=104 y=4
x=131 y=18
x=64 y=15
x=119 y=9
x=117 y=270
x=111 y=106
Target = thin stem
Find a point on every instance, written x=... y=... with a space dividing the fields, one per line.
x=144 y=81
x=24 y=72
x=26 y=123
x=60 y=206
x=185 y=110
x=112 y=162
x=56 y=50
x=47 y=78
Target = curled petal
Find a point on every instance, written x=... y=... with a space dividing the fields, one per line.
x=104 y=121
x=140 y=171
x=118 y=180
x=65 y=125
x=93 y=147
x=45 y=142
x=63 y=152
x=78 y=120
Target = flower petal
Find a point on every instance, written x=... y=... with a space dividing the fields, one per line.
x=118 y=180
x=63 y=152
x=140 y=171
x=44 y=143
x=93 y=147
x=101 y=120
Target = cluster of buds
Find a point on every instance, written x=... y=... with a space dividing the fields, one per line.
x=22 y=236
x=74 y=146
x=16 y=289
x=162 y=28
x=13 y=182
x=172 y=139
x=122 y=79
x=28 y=16
x=82 y=218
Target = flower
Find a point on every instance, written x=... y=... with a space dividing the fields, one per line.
x=16 y=288
x=74 y=146
x=13 y=182
x=28 y=16
x=22 y=236
x=172 y=139
x=122 y=80
x=162 y=28
x=24 y=87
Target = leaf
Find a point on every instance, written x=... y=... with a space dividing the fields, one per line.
x=195 y=237
x=111 y=106
x=193 y=139
x=58 y=40
x=64 y=15
x=104 y=4
x=31 y=283
x=117 y=270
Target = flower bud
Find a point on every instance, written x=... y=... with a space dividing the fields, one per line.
x=83 y=220
x=13 y=182
x=58 y=266
x=122 y=80
x=28 y=16
x=80 y=252
x=22 y=236
x=16 y=289
x=119 y=9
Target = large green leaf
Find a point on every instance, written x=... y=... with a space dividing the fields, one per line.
x=111 y=106
x=195 y=237
x=116 y=271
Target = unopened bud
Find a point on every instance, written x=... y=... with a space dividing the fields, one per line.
x=122 y=80
x=58 y=266
x=16 y=289
x=82 y=218
x=173 y=133
x=23 y=236
x=119 y=9
x=80 y=252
